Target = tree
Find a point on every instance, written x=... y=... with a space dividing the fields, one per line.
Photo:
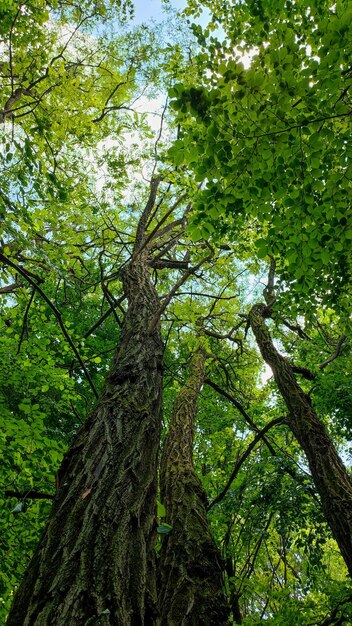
x=331 y=478
x=100 y=264
x=191 y=586
x=120 y=439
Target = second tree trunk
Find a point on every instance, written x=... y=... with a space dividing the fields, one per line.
x=329 y=474
x=191 y=590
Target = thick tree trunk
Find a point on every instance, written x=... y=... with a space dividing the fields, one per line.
x=191 y=590
x=329 y=474
x=95 y=562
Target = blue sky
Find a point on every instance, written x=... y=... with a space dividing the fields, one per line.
x=152 y=9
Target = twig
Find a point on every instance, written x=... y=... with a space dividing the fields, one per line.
x=25 y=321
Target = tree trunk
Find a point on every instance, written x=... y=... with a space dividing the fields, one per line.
x=329 y=474
x=95 y=562
x=191 y=590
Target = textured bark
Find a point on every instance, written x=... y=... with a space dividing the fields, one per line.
x=191 y=588
x=95 y=562
x=329 y=474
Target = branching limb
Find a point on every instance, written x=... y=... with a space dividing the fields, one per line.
x=296 y=329
x=254 y=426
x=139 y=243
x=229 y=335
x=207 y=295
x=102 y=319
x=106 y=108
x=156 y=231
x=243 y=457
x=167 y=299
x=168 y=263
x=337 y=352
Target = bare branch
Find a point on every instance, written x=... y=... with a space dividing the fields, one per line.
x=229 y=335
x=170 y=295
x=253 y=425
x=159 y=135
x=156 y=230
x=304 y=371
x=102 y=319
x=207 y=295
x=181 y=281
x=296 y=329
x=107 y=109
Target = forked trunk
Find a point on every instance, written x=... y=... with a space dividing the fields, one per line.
x=191 y=588
x=95 y=561
x=329 y=474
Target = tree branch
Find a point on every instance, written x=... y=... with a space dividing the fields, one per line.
x=337 y=352
x=253 y=425
x=181 y=281
x=25 y=321
x=10 y=288
x=304 y=371
x=104 y=317
x=243 y=457
x=268 y=292
x=139 y=244
x=32 y=494
x=168 y=263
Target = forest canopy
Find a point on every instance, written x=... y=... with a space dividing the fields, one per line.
x=175 y=281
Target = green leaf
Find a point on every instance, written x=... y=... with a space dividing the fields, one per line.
x=161 y=511
x=21 y=507
x=164 y=529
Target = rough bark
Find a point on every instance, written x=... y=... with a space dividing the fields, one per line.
x=95 y=562
x=190 y=587
x=329 y=474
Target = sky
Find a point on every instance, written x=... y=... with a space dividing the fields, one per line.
x=152 y=9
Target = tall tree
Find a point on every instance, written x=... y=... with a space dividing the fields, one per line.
x=85 y=565
x=330 y=476
x=191 y=583
x=268 y=145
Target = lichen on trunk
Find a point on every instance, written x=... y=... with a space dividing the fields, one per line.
x=329 y=474
x=191 y=590
x=95 y=562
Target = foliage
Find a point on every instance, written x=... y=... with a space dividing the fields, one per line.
x=267 y=128
x=260 y=168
